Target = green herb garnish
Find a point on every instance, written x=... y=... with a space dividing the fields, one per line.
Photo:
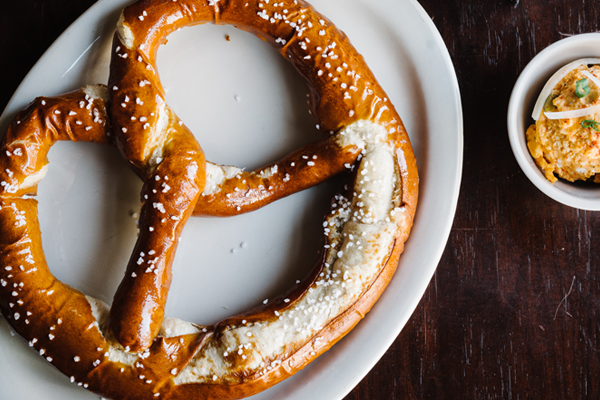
x=590 y=123
x=582 y=88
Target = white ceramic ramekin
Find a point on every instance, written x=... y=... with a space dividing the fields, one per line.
x=523 y=97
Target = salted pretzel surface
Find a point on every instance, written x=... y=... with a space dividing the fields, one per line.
x=130 y=351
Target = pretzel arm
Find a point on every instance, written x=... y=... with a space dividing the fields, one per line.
x=76 y=116
x=168 y=198
x=231 y=191
x=65 y=326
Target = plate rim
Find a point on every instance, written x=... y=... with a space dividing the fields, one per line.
x=458 y=129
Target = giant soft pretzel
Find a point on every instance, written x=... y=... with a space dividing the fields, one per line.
x=130 y=351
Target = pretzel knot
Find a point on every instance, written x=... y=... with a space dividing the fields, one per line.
x=130 y=351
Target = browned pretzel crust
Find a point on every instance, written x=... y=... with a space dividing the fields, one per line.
x=129 y=351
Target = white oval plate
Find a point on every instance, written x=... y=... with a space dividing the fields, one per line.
x=224 y=266
x=522 y=99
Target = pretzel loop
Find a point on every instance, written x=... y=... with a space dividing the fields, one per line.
x=130 y=351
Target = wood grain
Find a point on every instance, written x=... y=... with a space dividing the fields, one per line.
x=496 y=321
x=512 y=311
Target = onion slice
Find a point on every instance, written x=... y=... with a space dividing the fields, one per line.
x=592 y=78
x=580 y=112
x=553 y=81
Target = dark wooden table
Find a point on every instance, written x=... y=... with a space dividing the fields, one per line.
x=511 y=312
